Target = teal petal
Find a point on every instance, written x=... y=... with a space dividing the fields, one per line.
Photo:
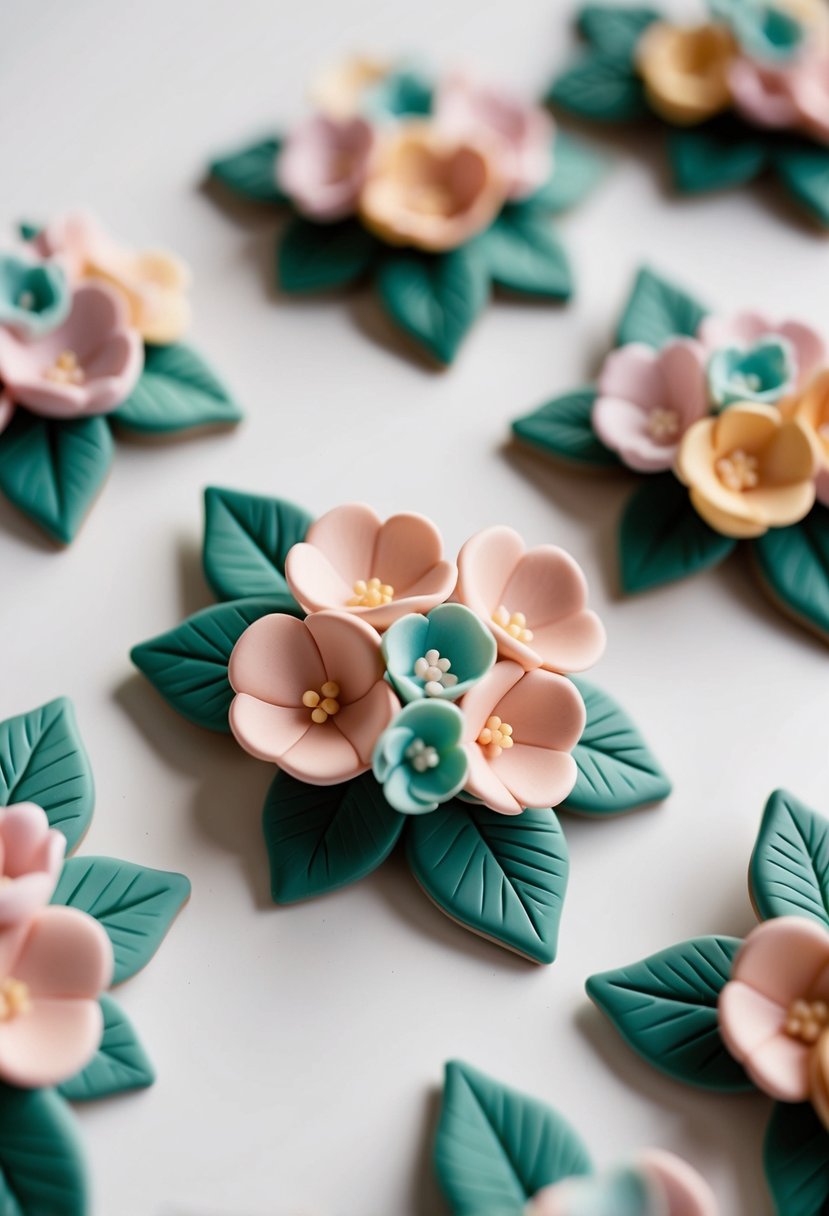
x=34 y=297
x=404 y=92
x=397 y=788
x=403 y=644
x=444 y=782
x=763 y=373
x=621 y=1192
x=764 y=30
x=438 y=723
x=462 y=637
x=390 y=750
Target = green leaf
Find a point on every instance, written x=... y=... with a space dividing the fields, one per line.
x=601 y=87
x=119 y=1064
x=134 y=904
x=323 y=837
x=52 y=470
x=658 y=311
x=615 y=30
x=250 y=173
x=435 y=298
x=496 y=1148
x=188 y=664
x=662 y=538
x=617 y=770
x=562 y=428
x=804 y=171
x=43 y=760
x=177 y=392
x=28 y=230
x=42 y=1167
x=796 y=1158
x=501 y=876
x=246 y=541
x=793 y=565
x=523 y=254
x=665 y=1008
x=704 y=159
x=576 y=170
x=789 y=872
x=323 y=257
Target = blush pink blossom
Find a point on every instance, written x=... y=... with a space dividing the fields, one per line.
x=648 y=399
x=529 y=764
x=324 y=165
x=745 y=329
x=353 y=561
x=533 y=600
x=88 y=365
x=310 y=695
x=810 y=95
x=31 y=857
x=762 y=92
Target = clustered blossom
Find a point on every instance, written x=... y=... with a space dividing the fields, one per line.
x=740 y=412
x=658 y=1183
x=431 y=180
x=437 y=698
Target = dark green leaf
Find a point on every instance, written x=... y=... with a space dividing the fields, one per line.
x=323 y=257
x=576 y=170
x=658 y=311
x=789 y=871
x=42 y=1167
x=562 y=428
x=177 y=392
x=119 y=1064
x=616 y=30
x=523 y=254
x=435 y=298
x=804 y=171
x=246 y=541
x=793 y=564
x=28 y=230
x=704 y=159
x=796 y=1157
x=250 y=173
x=601 y=87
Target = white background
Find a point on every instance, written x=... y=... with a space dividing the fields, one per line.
x=299 y=1050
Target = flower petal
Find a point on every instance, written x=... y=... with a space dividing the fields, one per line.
x=65 y=953
x=686 y=1192
x=483 y=698
x=622 y=426
x=267 y=731
x=780 y=1067
x=323 y=756
x=276 y=659
x=485 y=563
x=483 y=783
x=347 y=535
x=545 y=711
x=782 y=958
x=24 y=826
x=313 y=580
x=350 y=652
x=362 y=722
x=747 y=1018
x=50 y=1043
x=407 y=547
x=632 y=373
x=536 y=776
x=444 y=782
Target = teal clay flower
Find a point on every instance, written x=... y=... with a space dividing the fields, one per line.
x=764 y=372
x=34 y=297
x=439 y=655
x=765 y=31
x=419 y=760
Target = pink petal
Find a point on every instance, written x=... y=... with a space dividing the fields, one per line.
x=407 y=549
x=276 y=660
x=810 y=93
x=683 y=367
x=313 y=580
x=544 y=710
x=350 y=652
x=780 y=1067
x=65 y=954
x=347 y=536
x=21 y=897
x=782 y=958
x=546 y=585
x=267 y=731
x=323 y=165
x=740 y=329
x=24 y=826
x=50 y=1043
x=483 y=783
x=687 y=1193
x=633 y=373
x=761 y=92
x=809 y=348
x=323 y=756
x=747 y=1018
x=572 y=644
x=484 y=696
x=535 y=776
x=485 y=563
x=622 y=427
x=364 y=721
x=97 y=311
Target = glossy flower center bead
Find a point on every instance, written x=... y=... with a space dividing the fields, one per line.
x=371 y=593
x=14 y=999
x=514 y=623
x=66 y=369
x=323 y=704
x=807 y=1020
x=421 y=756
x=433 y=669
x=750 y=381
x=27 y=300
x=739 y=471
x=663 y=425
x=495 y=737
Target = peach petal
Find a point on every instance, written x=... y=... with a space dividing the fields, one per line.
x=789 y=457
x=782 y=958
x=276 y=660
x=573 y=644
x=545 y=710
x=686 y=1192
x=485 y=563
x=407 y=548
x=50 y=1043
x=484 y=697
x=313 y=579
x=747 y=1018
x=740 y=527
x=65 y=953
x=546 y=585
x=24 y=827
x=323 y=756
x=750 y=427
x=347 y=535
x=267 y=731
x=23 y=896
x=364 y=721
x=350 y=651
x=483 y=783
x=536 y=776
x=780 y=1067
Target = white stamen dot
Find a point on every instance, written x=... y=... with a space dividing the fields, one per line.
x=421 y=756
x=738 y=471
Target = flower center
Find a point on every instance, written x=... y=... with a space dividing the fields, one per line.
x=513 y=623
x=738 y=471
x=431 y=200
x=323 y=704
x=663 y=425
x=750 y=381
x=496 y=737
x=370 y=593
x=66 y=369
x=26 y=300
x=806 y=1020
x=434 y=671
x=421 y=756
x=14 y=999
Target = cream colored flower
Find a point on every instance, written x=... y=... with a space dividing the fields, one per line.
x=748 y=469
x=685 y=70
x=338 y=91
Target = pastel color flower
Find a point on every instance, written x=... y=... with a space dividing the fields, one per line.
x=339 y=91
x=810 y=95
x=31 y=858
x=764 y=372
x=762 y=92
x=419 y=760
x=533 y=600
x=745 y=330
x=34 y=296
x=811 y=409
x=439 y=655
x=658 y=1184
x=647 y=399
x=324 y=164
x=686 y=71
x=353 y=561
x=310 y=695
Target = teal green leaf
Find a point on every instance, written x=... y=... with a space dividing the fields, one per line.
x=29 y=230
x=662 y=538
x=323 y=837
x=323 y=257
x=658 y=311
x=246 y=541
x=796 y=1158
x=793 y=564
x=134 y=904
x=704 y=159
x=435 y=298
x=496 y=1148
x=617 y=769
x=616 y=30
x=250 y=173
x=43 y=760
x=665 y=1008
x=524 y=254
x=119 y=1064
x=177 y=392
x=804 y=171
x=600 y=87
x=576 y=171
x=789 y=872
x=42 y=1167
x=503 y=876
x=188 y=664
x=562 y=428
x=52 y=470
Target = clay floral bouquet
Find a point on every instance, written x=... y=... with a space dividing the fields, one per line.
x=389 y=710
x=69 y=928
x=726 y=421
x=731 y=1015
x=89 y=344
x=436 y=192
x=744 y=93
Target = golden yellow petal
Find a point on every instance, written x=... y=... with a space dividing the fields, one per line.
x=685 y=70
x=779 y=506
x=740 y=527
x=696 y=451
x=790 y=456
x=745 y=425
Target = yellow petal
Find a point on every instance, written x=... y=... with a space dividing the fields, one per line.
x=727 y=524
x=685 y=70
x=166 y=321
x=338 y=91
x=779 y=506
x=745 y=425
x=696 y=451
x=789 y=457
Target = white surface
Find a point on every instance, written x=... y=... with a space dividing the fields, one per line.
x=299 y=1050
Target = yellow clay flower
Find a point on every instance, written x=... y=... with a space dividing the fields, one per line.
x=811 y=409
x=154 y=285
x=338 y=91
x=686 y=70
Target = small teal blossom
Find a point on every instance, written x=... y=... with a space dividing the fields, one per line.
x=420 y=760
x=403 y=92
x=34 y=296
x=764 y=372
x=764 y=30
x=440 y=655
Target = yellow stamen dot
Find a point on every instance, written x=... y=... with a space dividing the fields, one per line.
x=330 y=689
x=310 y=699
x=324 y=704
x=495 y=737
x=14 y=999
x=807 y=1020
x=514 y=623
x=371 y=593
x=319 y=716
x=65 y=369
x=738 y=471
